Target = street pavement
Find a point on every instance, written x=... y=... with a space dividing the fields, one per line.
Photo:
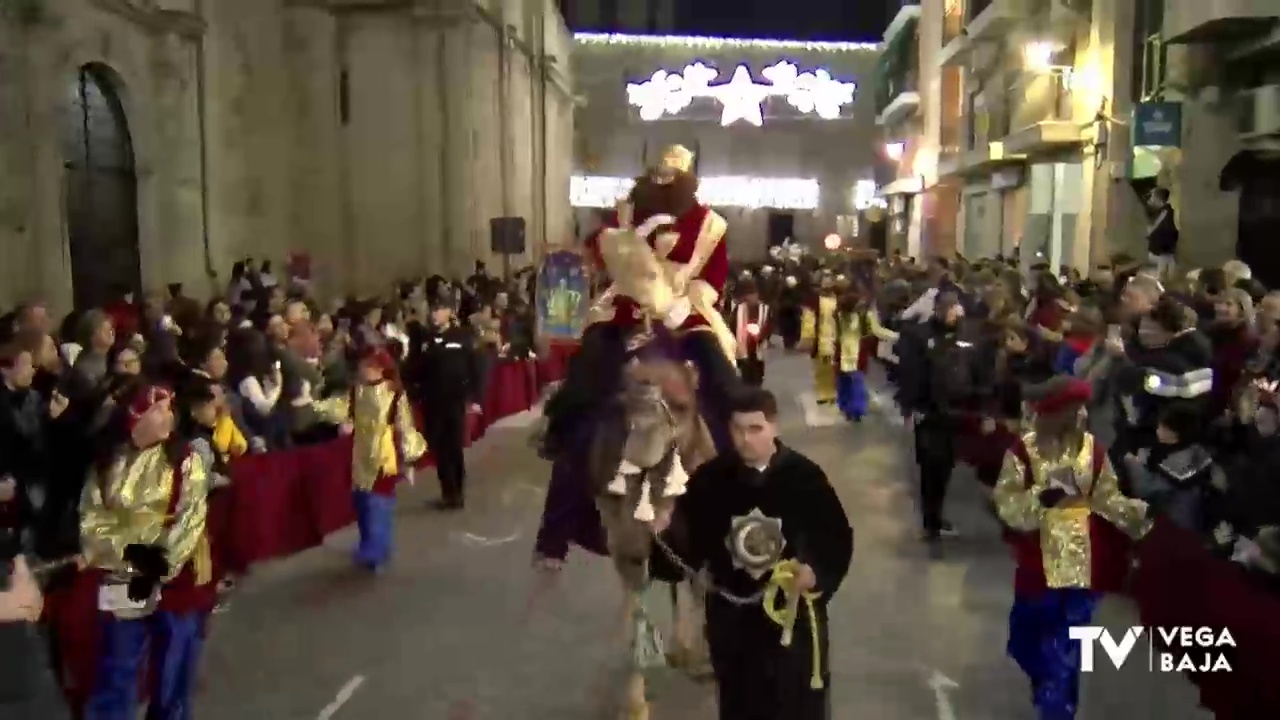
x=459 y=629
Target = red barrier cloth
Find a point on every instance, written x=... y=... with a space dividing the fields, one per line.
x=553 y=364
x=1179 y=583
x=980 y=450
x=510 y=391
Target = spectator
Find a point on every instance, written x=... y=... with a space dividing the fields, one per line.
x=256 y=377
x=1162 y=233
x=97 y=336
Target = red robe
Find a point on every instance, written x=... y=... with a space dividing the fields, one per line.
x=715 y=271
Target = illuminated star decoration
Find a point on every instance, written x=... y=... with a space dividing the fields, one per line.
x=741 y=98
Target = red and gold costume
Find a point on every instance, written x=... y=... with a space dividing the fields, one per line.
x=1067 y=525
x=692 y=256
x=143 y=524
x=385 y=441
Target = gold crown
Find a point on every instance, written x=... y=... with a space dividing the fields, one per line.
x=677 y=157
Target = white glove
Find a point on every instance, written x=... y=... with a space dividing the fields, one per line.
x=681 y=309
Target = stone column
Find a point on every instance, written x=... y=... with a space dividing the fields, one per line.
x=458 y=163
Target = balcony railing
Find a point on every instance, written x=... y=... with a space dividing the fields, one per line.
x=975 y=8
x=1191 y=21
x=893 y=6
x=893 y=87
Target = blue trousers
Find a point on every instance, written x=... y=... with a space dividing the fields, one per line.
x=375 y=518
x=171 y=642
x=1039 y=643
x=851 y=394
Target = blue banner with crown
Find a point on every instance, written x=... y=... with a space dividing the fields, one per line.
x=564 y=296
x=1157 y=124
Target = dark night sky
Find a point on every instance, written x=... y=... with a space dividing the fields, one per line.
x=860 y=20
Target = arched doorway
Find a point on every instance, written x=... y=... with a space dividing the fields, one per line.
x=101 y=190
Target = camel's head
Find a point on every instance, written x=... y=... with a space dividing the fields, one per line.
x=649 y=476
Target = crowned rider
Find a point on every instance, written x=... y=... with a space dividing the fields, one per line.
x=689 y=244
x=672 y=290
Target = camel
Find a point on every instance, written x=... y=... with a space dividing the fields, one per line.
x=641 y=455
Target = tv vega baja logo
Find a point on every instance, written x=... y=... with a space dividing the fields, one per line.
x=1169 y=649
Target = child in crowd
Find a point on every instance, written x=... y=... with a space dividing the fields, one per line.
x=385 y=444
x=1179 y=475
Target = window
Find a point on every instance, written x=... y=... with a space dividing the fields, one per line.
x=344 y=97
x=1149 y=53
x=971 y=123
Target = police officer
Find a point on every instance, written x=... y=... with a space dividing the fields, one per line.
x=943 y=380
x=443 y=374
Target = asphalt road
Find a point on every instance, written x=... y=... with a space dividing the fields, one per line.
x=448 y=632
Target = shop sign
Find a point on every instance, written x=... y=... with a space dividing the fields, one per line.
x=1157 y=124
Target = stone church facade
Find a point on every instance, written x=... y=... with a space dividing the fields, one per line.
x=147 y=142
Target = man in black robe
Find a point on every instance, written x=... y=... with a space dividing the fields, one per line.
x=744 y=512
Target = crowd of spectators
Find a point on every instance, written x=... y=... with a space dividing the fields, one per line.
x=260 y=354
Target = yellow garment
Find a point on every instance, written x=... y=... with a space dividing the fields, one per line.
x=852 y=332
x=228 y=441
x=824 y=379
x=783 y=580
x=1064 y=531
x=130 y=506
x=818 y=330
x=374 y=448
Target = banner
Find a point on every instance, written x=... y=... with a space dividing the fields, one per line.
x=564 y=296
x=1157 y=124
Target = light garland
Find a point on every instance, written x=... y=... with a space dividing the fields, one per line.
x=702 y=42
x=742 y=97
x=596 y=191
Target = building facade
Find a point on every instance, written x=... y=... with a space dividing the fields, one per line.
x=645 y=17
x=1053 y=119
x=783 y=133
x=149 y=142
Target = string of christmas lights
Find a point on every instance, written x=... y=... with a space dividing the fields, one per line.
x=597 y=191
x=813 y=92
x=702 y=42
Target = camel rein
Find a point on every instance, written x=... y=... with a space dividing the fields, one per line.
x=782 y=581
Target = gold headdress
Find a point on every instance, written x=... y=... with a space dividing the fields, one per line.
x=677 y=157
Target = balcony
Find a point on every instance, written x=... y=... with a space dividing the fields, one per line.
x=991 y=19
x=905 y=14
x=1209 y=21
x=902 y=101
x=1044 y=137
x=979 y=161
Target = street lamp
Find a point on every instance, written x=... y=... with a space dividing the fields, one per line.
x=1038 y=55
x=832 y=242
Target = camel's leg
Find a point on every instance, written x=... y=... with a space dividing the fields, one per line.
x=691 y=644
x=636 y=706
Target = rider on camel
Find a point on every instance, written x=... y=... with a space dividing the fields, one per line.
x=688 y=241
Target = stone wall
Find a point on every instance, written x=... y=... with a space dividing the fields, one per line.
x=380 y=137
x=613 y=141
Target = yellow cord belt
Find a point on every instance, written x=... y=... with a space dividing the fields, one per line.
x=783 y=580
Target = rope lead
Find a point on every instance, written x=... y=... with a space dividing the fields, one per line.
x=782 y=580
